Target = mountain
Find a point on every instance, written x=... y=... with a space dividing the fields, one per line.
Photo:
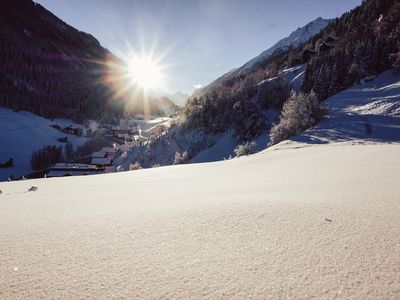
x=150 y=106
x=343 y=53
x=178 y=98
x=51 y=69
x=245 y=104
x=297 y=37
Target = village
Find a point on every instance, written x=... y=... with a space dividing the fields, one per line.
x=123 y=138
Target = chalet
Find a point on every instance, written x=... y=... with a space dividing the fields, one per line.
x=64 y=169
x=307 y=54
x=63 y=139
x=102 y=162
x=329 y=43
x=74 y=130
x=325 y=47
x=110 y=169
x=330 y=40
x=105 y=156
x=99 y=154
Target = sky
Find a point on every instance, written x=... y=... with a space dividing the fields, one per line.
x=195 y=41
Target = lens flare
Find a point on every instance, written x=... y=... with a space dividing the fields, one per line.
x=137 y=80
x=145 y=72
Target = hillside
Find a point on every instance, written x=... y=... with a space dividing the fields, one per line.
x=315 y=216
x=50 y=68
x=320 y=221
x=53 y=70
x=367 y=112
x=21 y=133
x=295 y=39
x=344 y=52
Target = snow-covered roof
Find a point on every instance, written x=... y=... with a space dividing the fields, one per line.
x=109 y=169
x=101 y=161
x=99 y=154
x=123 y=147
x=73 y=166
x=109 y=150
x=62 y=173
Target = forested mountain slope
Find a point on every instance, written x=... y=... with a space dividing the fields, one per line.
x=244 y=104
x=361 y=42
x=50 y=68
x=54 y=70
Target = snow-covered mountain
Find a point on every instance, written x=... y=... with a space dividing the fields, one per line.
x=300 y=35
x=178 y=98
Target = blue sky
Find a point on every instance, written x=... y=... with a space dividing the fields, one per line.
x=198 y=40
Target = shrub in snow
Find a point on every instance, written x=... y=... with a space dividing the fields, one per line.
x=299 y=113
x=181 y=158
x=245 y=149
x=135 y=166
x=33 y=189
x=120 y=169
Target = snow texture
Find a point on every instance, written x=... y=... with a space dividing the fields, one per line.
x=317 y=222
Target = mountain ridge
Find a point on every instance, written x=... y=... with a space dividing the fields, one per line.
x=300 y=35
x=294 y=39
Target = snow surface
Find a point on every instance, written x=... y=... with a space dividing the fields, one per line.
x=290 y=222
x=21 y=133
x=317 y=222
x=368 y=112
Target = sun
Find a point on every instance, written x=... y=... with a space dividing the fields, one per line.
x=145 y=72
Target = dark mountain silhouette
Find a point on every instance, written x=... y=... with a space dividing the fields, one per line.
x=52 y=69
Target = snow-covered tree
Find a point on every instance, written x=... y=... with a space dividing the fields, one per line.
x=181 y=158
x=299 y=113
x=135 y=166
x=245 y=149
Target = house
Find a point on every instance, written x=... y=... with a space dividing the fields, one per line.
x=105 y=156
x=74 y=130
x=307 y=54
x=64 y=169
x=329 y=43
x=325 y=47
x=99 y=154
x=331 y=40
x=101 y=161
x=63 y=139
